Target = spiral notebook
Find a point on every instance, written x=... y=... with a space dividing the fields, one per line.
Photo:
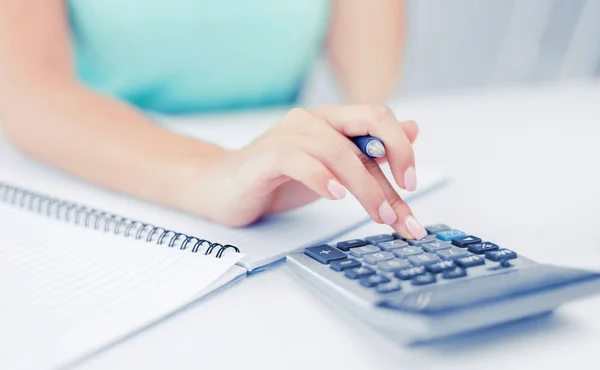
x=226 y=255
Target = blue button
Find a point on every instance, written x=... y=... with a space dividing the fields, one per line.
x=470 y=261
x=324 y=253
x=373 y=280
x=347 y=244
x=464 y=241
x=500 y=255
x=409 y=273
x=424 y=279
x=441 y=266
x=392 y=286
x=458 y=272
x=359 y=272
x=448 y=235
x=407 y=251
x=435 y=246
x=426 y=239
x=434 y=229
x=423 y=259
x=342 y=265
x=376 y=239
x=481 y=248
x=394 y=244
x=452 y=253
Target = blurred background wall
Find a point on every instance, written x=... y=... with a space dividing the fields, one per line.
x=461 y=44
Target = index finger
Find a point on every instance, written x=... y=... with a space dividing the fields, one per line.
x=378 y=121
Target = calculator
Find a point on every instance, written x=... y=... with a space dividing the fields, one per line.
x=447 y=283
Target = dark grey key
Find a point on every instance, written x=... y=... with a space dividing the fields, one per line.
x=407 y=251
x=470 y=261
x=361 y=251
x=427 y=239
x=424 y=279
x=359 y=272
x=441 y=266
x=344 y=264
x=453 y=253
x=435 y=246
x=423 y=259
x=373 y=280
x=376 y=239
x=373 y=258
x=347 y=244
x=393 y=265
x=394 y=244
x=392 y=286
x=433 y=229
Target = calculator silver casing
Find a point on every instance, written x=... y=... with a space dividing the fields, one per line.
x=409 y=328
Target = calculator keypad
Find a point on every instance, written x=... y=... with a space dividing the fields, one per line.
x=387 y=263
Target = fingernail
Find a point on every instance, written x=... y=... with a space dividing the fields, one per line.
x=336 y=189
x=387 y=214
x=410 y=179
x=414 y=227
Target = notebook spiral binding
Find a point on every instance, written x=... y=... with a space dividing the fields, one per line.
x=105 y=221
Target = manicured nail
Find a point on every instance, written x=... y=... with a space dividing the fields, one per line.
x=336 y=189
x=414 y=227
x=410 y=179
x=387 y=214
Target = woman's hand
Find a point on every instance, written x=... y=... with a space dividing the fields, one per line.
x=308 y=155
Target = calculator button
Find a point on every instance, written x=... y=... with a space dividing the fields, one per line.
x=393 y=265
x=448 y=235
x=434 y=229
x=373 y=258
x=409 y=273
x=397 y=236
x=457 y=272
x=470 y=261
x=435 y=246
x=394 y=244
x=426 y=239
x=392 y=286
x=347 y=244
x=481 y=248
x=452 y=253
x=424 y=279
x=464 y=241
x=500 y=254
x=344 y=264
x=324 y=253
x=359 y=272
x=407 y=251
x=373 y=280
x=361 y=251
x=423 y=259
x=376 y=239
x=440 y=266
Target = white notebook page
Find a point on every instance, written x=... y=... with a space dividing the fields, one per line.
x=66 y=291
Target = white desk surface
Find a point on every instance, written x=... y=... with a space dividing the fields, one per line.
x=526 y=174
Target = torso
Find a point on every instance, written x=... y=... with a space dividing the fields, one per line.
x=181 y=56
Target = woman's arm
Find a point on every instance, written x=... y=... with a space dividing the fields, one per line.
x=365 y=45
x=46 y=113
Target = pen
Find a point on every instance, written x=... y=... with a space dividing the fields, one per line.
x=371 y=146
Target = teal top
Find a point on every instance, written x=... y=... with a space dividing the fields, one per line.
x=183 y=56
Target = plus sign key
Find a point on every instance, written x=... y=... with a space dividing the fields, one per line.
x=324 y=253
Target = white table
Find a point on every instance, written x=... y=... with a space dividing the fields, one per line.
x=525 y=164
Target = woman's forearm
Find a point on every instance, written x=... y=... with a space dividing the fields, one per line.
x=365 y=45
x=102 y=140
